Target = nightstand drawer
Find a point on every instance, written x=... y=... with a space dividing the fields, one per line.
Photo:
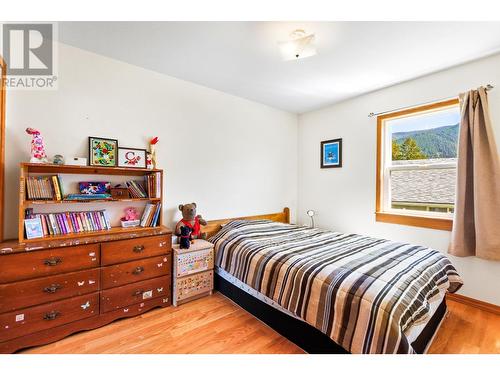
x=33 y=319
x=193 y=285
x=137 y=248
x=40 y=263
x=194 y=261
x=21 y=294
x=131 y=272
x=130 y=294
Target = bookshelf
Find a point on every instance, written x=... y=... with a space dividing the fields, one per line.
x=85 y=173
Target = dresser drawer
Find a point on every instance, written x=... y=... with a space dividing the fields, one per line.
x=33 y=319
x=137 y=248
x=21 y=294
x=34 y=264
x=130 y=294
x=138 y=270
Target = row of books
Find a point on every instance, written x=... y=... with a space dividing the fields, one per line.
x=71 y=222
x=44 y=188
x=151 y=215
x=136 y=189
x=153 y=185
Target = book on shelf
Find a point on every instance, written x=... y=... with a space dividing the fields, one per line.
x=150 y=216
x=71 y=221
x=150 y=188
x=44 y=188
x=136 y=189
x=87 y=197
x=153 y=184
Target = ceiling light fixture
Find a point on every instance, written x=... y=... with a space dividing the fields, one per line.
x=300 y=46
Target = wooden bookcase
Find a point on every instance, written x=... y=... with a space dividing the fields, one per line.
x=27 y=169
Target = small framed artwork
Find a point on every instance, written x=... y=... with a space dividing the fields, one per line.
x=331 y=153
x=132 y=157
x=33 y=228
x=103 y=152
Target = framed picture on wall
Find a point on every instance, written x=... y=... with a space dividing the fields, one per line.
x=132 y=157
x=103 y=152
x=331 y=153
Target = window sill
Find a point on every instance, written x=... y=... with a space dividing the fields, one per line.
x=415 y=221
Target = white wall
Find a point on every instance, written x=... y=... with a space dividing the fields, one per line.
x=230 y=155
x=345 y=197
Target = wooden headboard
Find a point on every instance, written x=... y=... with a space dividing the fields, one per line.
x=213 y=226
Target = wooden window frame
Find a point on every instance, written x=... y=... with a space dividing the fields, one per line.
x=411 y=219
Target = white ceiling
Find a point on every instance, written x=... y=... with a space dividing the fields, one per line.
x=242 y=58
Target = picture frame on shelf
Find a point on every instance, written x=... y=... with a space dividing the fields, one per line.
x=103 y=152
x=129 y=157
x=331 y=153
x=33 y=228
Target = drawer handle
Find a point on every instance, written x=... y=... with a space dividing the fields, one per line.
x=51 y=315
x=54 y=261
x=138 y=248
x=137 y=293
x=138 y=270
x=52 y=289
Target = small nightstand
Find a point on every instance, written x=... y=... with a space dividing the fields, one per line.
x=193 y=271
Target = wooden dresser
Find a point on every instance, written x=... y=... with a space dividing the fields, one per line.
x=51 y=289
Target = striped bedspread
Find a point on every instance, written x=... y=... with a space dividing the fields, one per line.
x=364 y=293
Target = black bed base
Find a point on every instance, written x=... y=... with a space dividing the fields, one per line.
x=310 y=339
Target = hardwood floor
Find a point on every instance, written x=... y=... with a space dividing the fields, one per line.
x=467 y=330
x=216 y=325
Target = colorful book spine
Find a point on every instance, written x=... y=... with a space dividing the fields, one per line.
x=56 y=188
x=61 y=223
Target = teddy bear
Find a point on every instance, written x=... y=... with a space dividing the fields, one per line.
x=191 y=220
x=185 y=237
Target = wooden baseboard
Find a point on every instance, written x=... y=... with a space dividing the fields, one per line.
x=489 y=307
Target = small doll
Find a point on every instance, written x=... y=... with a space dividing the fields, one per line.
x=38 y=154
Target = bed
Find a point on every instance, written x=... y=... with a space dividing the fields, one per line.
x=332 y=292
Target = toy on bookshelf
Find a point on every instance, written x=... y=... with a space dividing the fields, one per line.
x=131 y=218
x=38 y=154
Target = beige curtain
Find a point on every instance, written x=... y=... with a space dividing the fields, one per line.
x=476 y=225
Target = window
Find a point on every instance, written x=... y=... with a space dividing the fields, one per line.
x=417 y=165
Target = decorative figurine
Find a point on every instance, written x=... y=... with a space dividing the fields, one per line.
x=185 y=238
x=152 y=151
x=130 y=214
x=58 y=159
x=38 y=154
x=149 y=161
x=191 y=220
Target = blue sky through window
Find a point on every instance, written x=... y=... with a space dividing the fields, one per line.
x=450 y=116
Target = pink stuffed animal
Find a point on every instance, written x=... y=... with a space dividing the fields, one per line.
x=38 y=154
x=130 y=214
